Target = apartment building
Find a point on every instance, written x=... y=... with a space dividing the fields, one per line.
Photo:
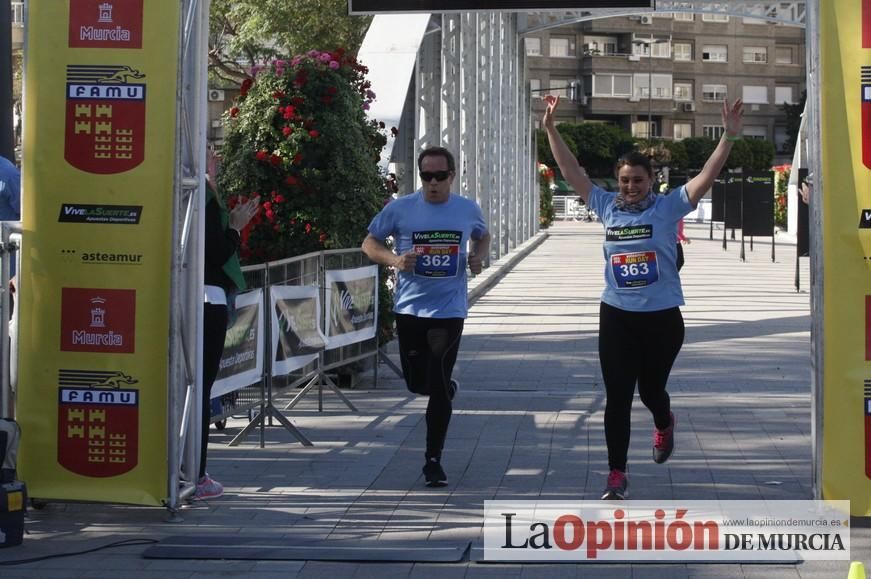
x=17 y=43
x=666 y=75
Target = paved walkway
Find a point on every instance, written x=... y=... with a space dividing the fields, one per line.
x=527 y=424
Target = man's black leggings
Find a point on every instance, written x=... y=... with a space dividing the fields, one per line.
x=428 y=350
x=636 y=347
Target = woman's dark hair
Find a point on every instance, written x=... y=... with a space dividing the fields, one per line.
x=437 y=152
x=634 y=159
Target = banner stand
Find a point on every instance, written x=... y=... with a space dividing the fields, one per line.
x=320 y=379
x=267 y=408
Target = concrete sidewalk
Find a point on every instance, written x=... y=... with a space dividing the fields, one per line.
x=528 y=423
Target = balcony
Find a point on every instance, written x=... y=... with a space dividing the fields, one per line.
x=17 y=14
x=17 y=26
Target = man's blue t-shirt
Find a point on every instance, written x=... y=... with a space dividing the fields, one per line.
x=641 y=251
x=438 y=233
x=10 y=191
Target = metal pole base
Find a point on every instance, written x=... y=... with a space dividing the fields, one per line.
x=320 y=380
x=272 y=412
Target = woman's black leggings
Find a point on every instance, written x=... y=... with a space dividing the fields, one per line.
x=214 y=332
x=428 y=350
x=636 y=347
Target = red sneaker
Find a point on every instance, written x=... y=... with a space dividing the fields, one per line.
x=663 y=442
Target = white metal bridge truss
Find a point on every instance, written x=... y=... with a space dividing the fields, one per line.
x=469 y=94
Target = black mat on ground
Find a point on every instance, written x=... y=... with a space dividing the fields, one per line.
x=476 y=555
x=285 y=549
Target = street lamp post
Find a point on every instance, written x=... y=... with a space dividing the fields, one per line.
x=649 y=42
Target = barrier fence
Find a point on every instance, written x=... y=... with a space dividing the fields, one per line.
x=302 y=319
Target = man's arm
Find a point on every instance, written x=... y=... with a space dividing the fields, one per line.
x=479 y=250
x=375 y=250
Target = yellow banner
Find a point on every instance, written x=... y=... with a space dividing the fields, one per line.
x=846 y=157
x=99 y=162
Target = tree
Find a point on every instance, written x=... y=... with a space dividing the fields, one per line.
x=762 y=153
x=246 y=33
x=679 y=158
x=698 y=150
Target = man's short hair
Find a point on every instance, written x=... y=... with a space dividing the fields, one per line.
x=437 y=152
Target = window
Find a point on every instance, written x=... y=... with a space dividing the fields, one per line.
x=756 y=54
x=682 y=131
x=660 y=47
x=715 y=53
x=780 y=138
x=713 y=131
x=748 y=20
x=640 y=129
x=684 y=16
x=683 y=91
x=612 y=85
x=562 y=47
x=757 y=132
x=683 y=51
x=715 y=17
x=713 y=92
x=596 y=45
x=559 y=87
x=755 y=95
x=533 y=46
x=661 y=86
x=535 y=88
x=783 y=95
x=783 y=55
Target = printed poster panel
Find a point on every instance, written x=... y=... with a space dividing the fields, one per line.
x=352 y=305
x=242 y=359
x=297 y=337
x=99 y=171
x=845 y=68
x=757 y=204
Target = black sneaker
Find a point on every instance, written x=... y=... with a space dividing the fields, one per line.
x=615 y=490
x=663 y=442
x=453 y=388
x=434 y=473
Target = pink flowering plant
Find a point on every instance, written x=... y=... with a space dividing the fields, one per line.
x=298 y=138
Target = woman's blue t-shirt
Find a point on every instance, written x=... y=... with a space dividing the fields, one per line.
x=641 y=251
x=439 y=234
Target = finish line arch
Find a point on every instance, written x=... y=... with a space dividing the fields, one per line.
x=465 y=79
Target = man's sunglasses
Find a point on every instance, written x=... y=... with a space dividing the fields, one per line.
x=426 y=176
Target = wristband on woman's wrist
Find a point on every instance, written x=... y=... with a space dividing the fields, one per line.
x=732 y=138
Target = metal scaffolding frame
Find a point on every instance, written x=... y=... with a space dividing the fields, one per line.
x=468 y=94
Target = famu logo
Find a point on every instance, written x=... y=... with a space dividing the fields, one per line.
x=98 y=422
x=105 y=118
x=866 y=115
x=108 y=214
x=628 y=233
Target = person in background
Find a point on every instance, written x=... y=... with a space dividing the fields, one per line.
x=641 y=329
x=10 y=191
x=222 y=280
x=682 y=240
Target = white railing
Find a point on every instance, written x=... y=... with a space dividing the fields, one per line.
x=17 y=13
